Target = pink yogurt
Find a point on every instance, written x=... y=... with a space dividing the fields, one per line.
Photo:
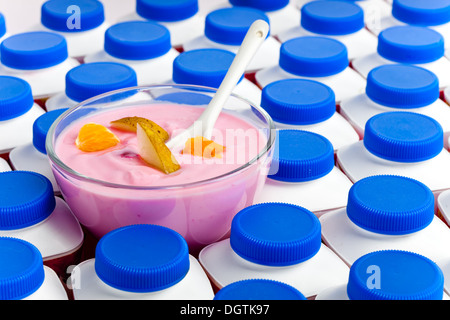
x=201 y=212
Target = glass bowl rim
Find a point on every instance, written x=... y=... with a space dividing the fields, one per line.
x=61 y=166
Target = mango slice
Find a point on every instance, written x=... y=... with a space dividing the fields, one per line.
x=202 y=147
x=130 y=123
x=95 y=137
x=154 y=151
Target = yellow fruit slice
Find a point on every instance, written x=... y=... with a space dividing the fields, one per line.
x=154 y=151
x=95 y=137
x=202 y=147
x=129 y=124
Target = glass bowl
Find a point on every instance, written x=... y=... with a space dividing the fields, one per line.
x=200 y=209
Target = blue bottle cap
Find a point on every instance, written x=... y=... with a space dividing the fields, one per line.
x=313 y=56
x=301 y=156
x=264 y=5
x=2 y=25
x=16 y=97
x=33 y=50
x=137 y=40
x=395 y=275
x=389 y=204
x=402 y=86
x=410 y=44
x=141 y=258
x=423 y=13
x=204 y=67
x=167 y=10
x=26 y=198
x=298 y=101
x=332 y=17
x=275 y=234
x=403 y=136
x=72 y=16
x=258 y=289
x=90 y=79
x=21 y=269
x=41 y=126
x=230 y=25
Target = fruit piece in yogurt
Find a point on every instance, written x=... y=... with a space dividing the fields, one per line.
x=202 y=147
x=154 y=151
x=130 y=123
x=95 y=137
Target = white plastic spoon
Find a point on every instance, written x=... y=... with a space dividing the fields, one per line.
x=255 y=36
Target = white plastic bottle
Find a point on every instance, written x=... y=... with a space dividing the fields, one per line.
x=431 y=14
x=38 y=57
x=308 y=105
x=141 y=262
x=181 y=17
x=415 y=45
x=91 y=79
x=443 y=206
x=401 y=143
x=82 y=23
x=33 y=155
x=339 y=20
x=4 y=165
x=276 y=241
x=258 y=289
x=388 y=212
x=374 y=11
x=398 y=87
x=303 y=173
x=23 y=276
x=317 y=58
x=446 y=95
x=206 y=6
x=282 y=14
x=18 y=112
x=226 y=28
x=30 y=211
x=208 y=67
x=375 y=276
x=144 y=46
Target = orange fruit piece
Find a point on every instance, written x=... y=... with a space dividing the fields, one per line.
x=95 y=137
x=202 y=147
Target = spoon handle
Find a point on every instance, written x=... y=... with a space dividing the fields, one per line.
x=255 y=36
